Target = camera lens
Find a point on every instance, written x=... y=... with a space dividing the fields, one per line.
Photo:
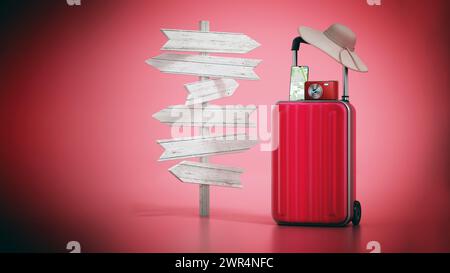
x=315 y=91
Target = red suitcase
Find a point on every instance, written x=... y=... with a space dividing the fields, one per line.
x=313 y=162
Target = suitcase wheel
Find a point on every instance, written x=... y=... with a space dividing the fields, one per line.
x=356 y=213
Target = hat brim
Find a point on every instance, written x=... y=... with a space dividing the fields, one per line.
x=319 y=40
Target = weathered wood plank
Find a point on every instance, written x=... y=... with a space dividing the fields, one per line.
x=207 y=173
x=203 y=91
x=207 y=66
x=198 y=41
x=177 y=148
x=208 y=59
x=211 y=115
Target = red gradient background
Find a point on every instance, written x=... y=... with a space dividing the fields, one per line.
x=78 y=151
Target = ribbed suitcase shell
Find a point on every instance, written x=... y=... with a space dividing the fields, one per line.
x=313 y=170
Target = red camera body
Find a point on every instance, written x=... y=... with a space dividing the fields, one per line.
x=321 y=90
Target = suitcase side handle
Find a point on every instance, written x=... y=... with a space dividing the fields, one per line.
x=296 y=46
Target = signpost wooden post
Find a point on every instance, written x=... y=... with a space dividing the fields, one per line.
x=216 y=80
x=204 y=188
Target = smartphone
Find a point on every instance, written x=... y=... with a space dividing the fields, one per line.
x=299 y=75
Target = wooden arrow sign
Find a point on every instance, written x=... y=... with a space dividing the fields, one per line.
x=219 y=42
x=207 y=66
x=203 y=91
x=207 y=173
x=177 y=148
x=211 y=115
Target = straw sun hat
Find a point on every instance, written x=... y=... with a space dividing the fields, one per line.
x=338 y=41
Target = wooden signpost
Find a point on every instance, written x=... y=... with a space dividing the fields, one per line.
x=176 y=148
x=204 y=41
x=216 y=80
x=204 y=91
x=211 y=115
x=207 y=66
x=207 y=173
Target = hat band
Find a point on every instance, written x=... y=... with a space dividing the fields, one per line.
x=336 y=40
x=351 y=56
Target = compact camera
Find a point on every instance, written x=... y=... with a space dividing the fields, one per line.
x=321 y=90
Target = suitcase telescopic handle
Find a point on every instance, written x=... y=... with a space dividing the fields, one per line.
x=296 y=46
